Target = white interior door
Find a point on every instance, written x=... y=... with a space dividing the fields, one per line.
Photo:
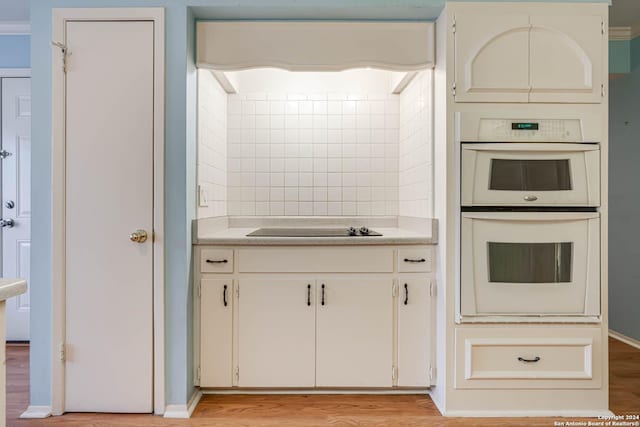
x=16 y=198
x=109 y=194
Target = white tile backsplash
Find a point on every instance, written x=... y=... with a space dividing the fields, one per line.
x=415 y=167
x=316 y=153
x=212 y=154
x=324 y=153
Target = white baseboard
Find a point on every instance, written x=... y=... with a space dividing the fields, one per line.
x=183 y=411
x=625 y=339
x=314 y=391
x=514 y=414
x=36 y=412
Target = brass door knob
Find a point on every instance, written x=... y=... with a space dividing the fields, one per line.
x=138 y=236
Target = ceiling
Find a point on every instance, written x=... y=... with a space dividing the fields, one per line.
x=14 y=10
x=624 y=13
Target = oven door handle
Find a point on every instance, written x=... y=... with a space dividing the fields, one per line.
x=531 y=216
x=533 y=147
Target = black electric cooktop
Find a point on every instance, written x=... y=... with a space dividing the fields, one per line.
x=313 y=232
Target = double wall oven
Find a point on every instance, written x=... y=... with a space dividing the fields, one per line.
x=530 y=226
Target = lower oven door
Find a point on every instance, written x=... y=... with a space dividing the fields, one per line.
x=530 y=264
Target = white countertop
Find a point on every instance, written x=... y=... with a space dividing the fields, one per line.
x=12 y=287
x=234 y=232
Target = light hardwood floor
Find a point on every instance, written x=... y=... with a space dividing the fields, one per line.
x=314 y=410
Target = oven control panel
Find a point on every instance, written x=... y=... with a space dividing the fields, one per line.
x=530 y=130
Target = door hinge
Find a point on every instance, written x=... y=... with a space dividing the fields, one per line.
x=432 y=374
x=394 y=290
x=453 y=89
x=198 y=373
x=237 y=291
x=394 y=373
x=237 y=373
x=603 y=27
x=453 y=25
x=199 y=290
x=65 y=52
x=432 y=289
x=602 y=90
x=62 y=352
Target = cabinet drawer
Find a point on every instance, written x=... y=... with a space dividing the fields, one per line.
x=415 y=260
x=216 y=261
x=319 y=260
x=528 y=358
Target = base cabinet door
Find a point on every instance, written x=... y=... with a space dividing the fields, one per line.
x=354 y=333
x=276 y=339
x=414 y=331
x=216 y=336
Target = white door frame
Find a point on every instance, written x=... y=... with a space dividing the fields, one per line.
x=60 y=18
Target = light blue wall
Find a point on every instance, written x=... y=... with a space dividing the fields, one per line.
x=624 y=200
x=15 y=51
x=619 y=56
x=635 y=53
x=179 y=154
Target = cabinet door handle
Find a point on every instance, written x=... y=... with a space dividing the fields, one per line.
x=535 y=359
x=406 y=294
x=224 y=295
x=415 y=260
x=322 y=302
x=308 y=294
x=217 y=261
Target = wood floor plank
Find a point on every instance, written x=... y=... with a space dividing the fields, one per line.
x=314 y=410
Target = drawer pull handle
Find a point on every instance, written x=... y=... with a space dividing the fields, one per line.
x=308 y=294
x=322 y=302
x=217 y=261
x=415 y=260
x=535 y=359
x=530 y=198
x=224 y=295
x=406 y=294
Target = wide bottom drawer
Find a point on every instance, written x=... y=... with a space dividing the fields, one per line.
x=528 y=358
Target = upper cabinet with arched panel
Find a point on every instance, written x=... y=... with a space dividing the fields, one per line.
x=492 y=58
x=529 y=57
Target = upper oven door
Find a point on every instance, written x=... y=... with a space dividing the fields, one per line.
x=530 y=174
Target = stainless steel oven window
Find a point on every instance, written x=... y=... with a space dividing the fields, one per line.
x=530 y=262
x=530 y=175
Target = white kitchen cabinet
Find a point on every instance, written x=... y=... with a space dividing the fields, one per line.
x=528 y=358
x=528 y=58
x=216 y=340
x=314 y=327
x=354 y=333
x=566 y=58
x=492 y=58
x=276 y=332
x=414 y=330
